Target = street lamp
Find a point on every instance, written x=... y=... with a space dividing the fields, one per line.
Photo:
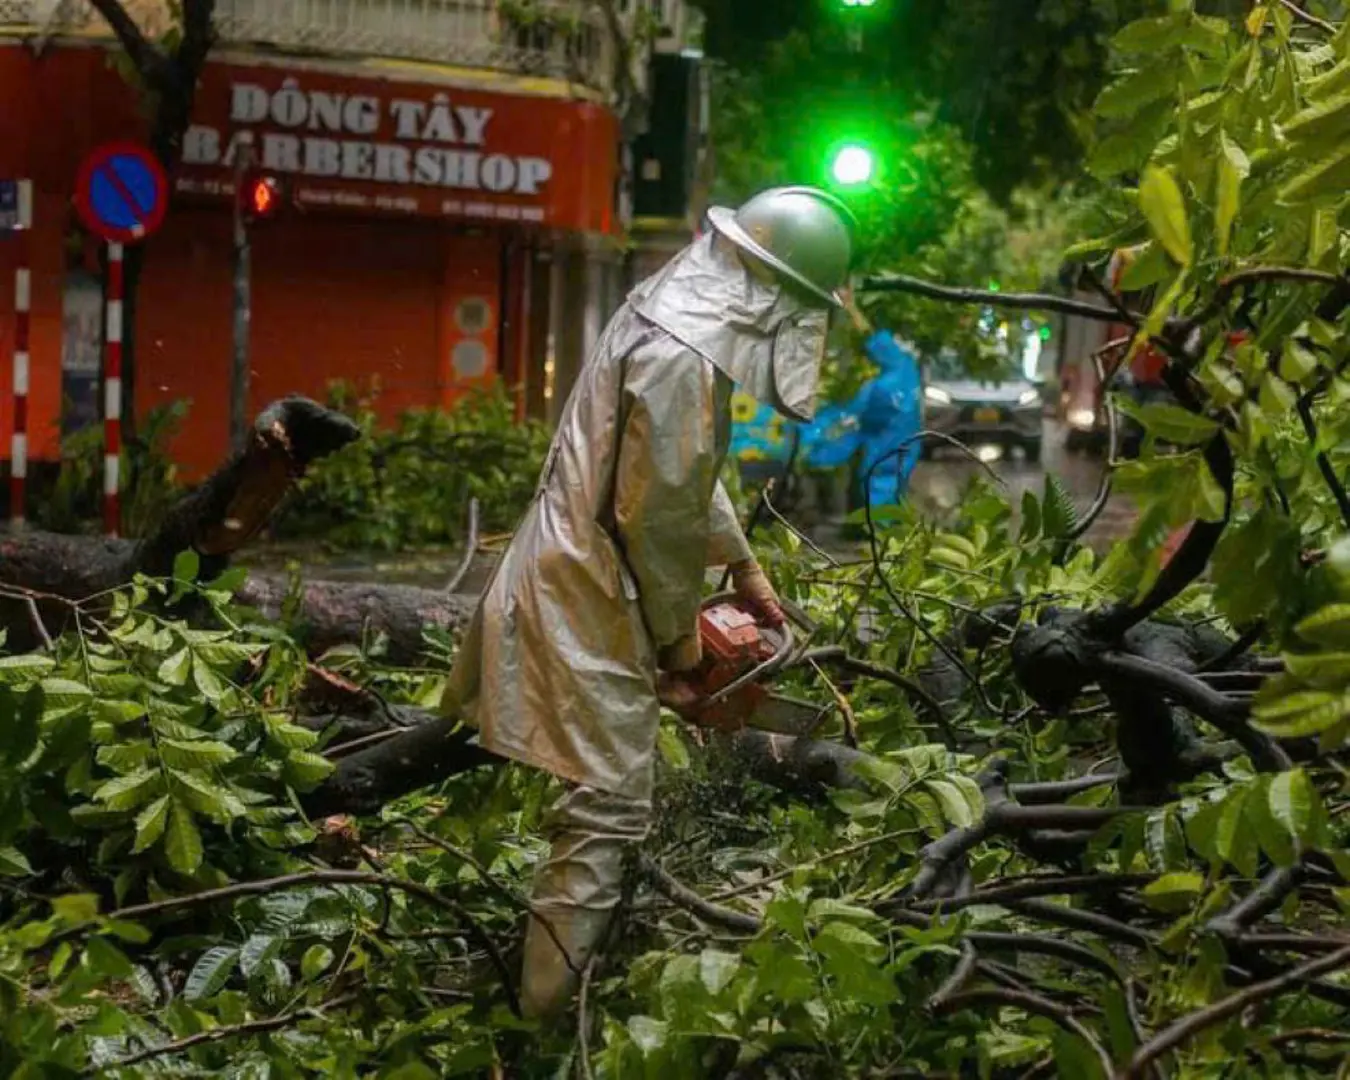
x=853 y=165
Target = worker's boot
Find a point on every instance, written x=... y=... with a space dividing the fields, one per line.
x=576 y=889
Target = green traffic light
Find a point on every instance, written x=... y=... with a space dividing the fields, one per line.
x=859 y=3
x=1045 y=333
x=853 y=165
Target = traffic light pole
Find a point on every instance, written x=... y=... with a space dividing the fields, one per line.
x=243 y=300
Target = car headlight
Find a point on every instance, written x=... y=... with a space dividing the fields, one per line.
x=937 y=395
x=1029 y=397
x=1082 y=419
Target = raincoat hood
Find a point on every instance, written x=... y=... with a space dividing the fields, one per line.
x=760 y=336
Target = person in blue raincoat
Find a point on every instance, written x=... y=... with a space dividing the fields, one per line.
x=878 y=427
x=890 y=417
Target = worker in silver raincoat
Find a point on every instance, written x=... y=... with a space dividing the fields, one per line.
x=593 y=609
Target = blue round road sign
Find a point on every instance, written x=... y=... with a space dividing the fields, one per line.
x=121 y=193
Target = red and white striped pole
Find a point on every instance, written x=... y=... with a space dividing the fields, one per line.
x=23 y=305
x=112 y=395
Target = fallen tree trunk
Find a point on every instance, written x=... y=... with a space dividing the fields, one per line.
x=332 y=613
x=216 y=520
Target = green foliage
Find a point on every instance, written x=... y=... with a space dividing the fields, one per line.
x=149 y=477
x=410 y=485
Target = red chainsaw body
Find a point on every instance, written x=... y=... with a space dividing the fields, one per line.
x=732 y=645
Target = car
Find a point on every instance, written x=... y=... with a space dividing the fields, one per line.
x=1005 y=409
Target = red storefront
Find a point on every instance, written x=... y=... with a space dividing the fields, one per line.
x=420 y=213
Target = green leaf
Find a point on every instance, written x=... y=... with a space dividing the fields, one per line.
x=1291 y=803
x=1328 y=176
x=106 y=960
x=1301 y=714
x=202 y=796
x=1297 y=364
x=960 y=798
x=1174 y=424
x=129 y=792
x=1277 y=397
x=229 y=654
x=175 y=668
x=1163 y=206
x=1174 y=892
x=1059 y=516
x=1234 y=166
x=1272 y=835
x=63 y=696
x=317 y=960
x=150 y=824
x=24 y=670
x=1328 y=626
x=1256 y=566
x=304 y=771
x=210 y=973
x=207 y=681
x=717 y=969
x=1324 y=123
x=197 y=754
x=13 y=863
x=183 y=844
x=673 y=751
x=258 y=950
x=648 y=1034
x=853 y=958
x=186 y=566
x=1124 y=97
x=830 y=907
x=1233 y=842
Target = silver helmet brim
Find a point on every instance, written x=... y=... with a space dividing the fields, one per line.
x=724 y=221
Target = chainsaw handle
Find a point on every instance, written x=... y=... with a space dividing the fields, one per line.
x=782 y=653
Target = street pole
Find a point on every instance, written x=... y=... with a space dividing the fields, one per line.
x=243 y=300
x=23 y=300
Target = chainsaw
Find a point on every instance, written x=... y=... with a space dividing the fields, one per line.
x=741 y=654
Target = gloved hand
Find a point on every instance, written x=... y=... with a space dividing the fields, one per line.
x=756 y=592
x=677 y=694
x=684 y=655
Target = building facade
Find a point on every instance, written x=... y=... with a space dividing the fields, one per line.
x=457 y=202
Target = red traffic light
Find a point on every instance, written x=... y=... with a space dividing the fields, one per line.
x=260 y=196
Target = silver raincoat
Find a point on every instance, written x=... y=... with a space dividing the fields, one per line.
x=558 y=667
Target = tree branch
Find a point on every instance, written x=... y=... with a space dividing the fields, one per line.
x=470 y=550
x=957 y=980
x=1333 y=482
x=1255 y=275
x=1265 y=898
x=1022 y=301
x=1227 y=715
x=1307 y=17
x=1190 y=1026
x=202 y=1038
x=330 y=877
x=1031 y=1003
x=704 y=910
x=150 y=61
x=1032 y=888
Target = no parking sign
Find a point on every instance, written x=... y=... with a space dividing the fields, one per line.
x=121 y=193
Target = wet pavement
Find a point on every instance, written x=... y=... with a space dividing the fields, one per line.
x=938 y=485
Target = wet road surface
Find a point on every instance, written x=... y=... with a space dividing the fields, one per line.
x=937 y=485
